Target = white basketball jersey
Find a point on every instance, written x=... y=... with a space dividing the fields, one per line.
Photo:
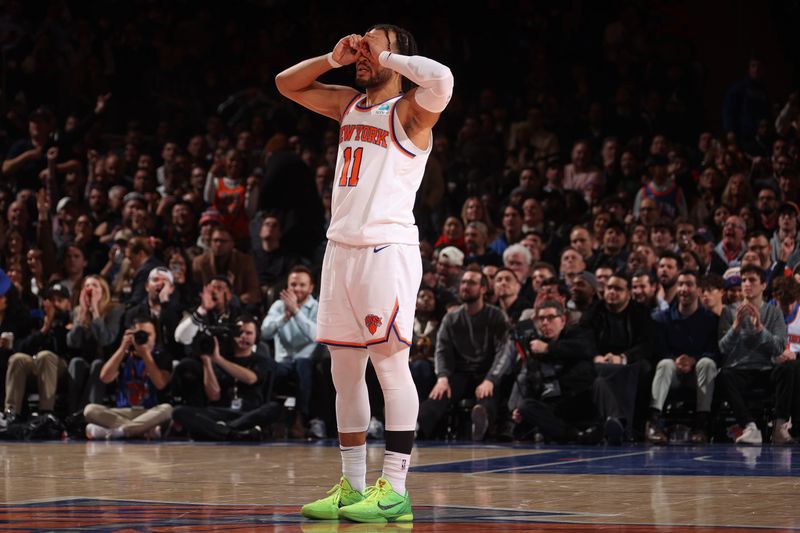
x=378 y=172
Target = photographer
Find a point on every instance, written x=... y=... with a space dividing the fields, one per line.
x=141 y=370
x=159 y=304
x=554 y=388
x=214 y=317
x=234 y=385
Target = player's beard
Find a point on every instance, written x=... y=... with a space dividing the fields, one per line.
x=377 y=79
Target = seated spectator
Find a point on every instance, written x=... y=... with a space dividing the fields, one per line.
x=553 y=391
x=234 y=196
x=662 y=188
x=580 y=174
x=752 y=340
x=730 y=249
x=507 y=288
x=273 y=261
x=571 y=265
x=95 y=330
x=162 y=307
x=423 y=342
x=473 y=210
x=511 y=229
x=476 y=237
x=622 y=333
x=449 y=267
x=583 y=292
x=612 y=250
x=645 y=289
x=686 y=350
x=139 y=251
x=292 y=324
x=222 y=259
x=452 y=234
x=141 y=371
x=733 y=286
x=581 y=240
x=43 y=354
x=669 y=265
x=519 y=260
x=472 y=355
x=215 y=315
x=712 y=290
x=234 y=385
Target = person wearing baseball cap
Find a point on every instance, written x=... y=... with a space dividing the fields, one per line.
x=449 y=263
x=662 y=188
x=161 y=307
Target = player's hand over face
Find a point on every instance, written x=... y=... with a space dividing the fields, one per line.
x=346 y=50
x=372 y=44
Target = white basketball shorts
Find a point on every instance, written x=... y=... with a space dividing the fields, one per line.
x=368 y=294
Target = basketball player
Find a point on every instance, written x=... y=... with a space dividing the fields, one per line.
x=372 y=267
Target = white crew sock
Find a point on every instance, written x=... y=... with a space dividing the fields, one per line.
x=395 y=468
x=354 y=465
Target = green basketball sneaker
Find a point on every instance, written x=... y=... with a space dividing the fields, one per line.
x=382 y=504
x=327 y=508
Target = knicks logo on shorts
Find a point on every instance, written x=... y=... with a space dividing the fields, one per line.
x=372 y=322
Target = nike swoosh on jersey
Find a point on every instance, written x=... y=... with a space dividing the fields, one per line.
x=378 y=249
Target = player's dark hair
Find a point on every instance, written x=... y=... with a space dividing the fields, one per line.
x=405 y=43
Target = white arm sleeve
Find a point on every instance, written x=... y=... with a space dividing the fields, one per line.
x=434 y=79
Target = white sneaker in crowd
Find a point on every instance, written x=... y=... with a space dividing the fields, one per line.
x=750 y=435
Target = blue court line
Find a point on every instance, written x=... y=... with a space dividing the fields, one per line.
x=674 y=461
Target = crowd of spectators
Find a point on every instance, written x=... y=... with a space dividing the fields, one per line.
x=589 y=244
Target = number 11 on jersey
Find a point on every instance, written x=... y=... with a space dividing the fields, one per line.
x=349 y=176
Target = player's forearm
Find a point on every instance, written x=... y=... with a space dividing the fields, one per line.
x=302 y=75
x=434 y=79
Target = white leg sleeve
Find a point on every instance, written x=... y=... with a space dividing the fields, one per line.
x=348 y=366
x=399 y=392
x=434 y=79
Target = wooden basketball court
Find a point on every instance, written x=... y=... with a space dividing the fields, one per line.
x=183 y=486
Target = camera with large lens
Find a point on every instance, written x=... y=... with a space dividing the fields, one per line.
x=203 y=342
x=541 y=377
x=140 y=337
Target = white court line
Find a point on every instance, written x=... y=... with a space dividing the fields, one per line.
x=558 y=463
x=456 y=461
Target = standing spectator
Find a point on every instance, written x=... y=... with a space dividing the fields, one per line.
x=686 y=350
x=752 y=339
x=141 y=372
x=292 y=324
